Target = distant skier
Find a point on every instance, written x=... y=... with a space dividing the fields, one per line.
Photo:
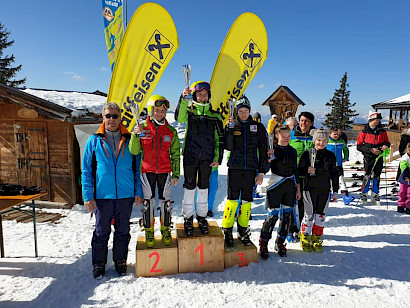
x=160 y=166
x=404 y=180
x=338 y=147
x=371 y=141
x=321 y=177
x=283 y=189
x=247 y=142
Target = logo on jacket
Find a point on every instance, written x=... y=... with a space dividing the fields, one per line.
x=253 y=128
x=167 y=138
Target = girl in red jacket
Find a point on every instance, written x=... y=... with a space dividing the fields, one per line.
x=160 y=166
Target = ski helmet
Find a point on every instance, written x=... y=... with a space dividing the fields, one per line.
x=199 y=86
x=243 y=101
x=257 y=117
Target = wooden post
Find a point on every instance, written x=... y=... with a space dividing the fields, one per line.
x=240 y=254
x=157 y=261
x=200 y=253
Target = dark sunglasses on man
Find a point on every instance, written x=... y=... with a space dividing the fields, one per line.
x=114 y=116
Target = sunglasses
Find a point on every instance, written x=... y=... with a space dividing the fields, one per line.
x=161 y=103
x=200 y=86
x=114 y=116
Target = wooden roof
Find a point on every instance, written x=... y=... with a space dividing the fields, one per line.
x=399 y=103
x=275 y=94
x=42 y=106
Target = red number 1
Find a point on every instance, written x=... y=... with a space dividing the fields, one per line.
x=201 y=251
x=153 y=268
x=242 y=255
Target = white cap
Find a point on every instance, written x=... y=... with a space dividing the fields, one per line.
x=274 y=116
x=374 y=115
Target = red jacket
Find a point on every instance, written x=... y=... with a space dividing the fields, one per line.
x=369 y=139
x=161 y=149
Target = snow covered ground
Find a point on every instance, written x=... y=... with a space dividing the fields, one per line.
x=365 y=263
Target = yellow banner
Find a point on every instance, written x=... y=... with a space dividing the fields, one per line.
x=149 y=43
x=241 y=56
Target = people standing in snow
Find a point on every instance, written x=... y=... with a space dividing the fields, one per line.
x=283 y=188
x=404 y=180
x=202 y=151
x=111 y=184
x=321 y=177
x=404 y=140
x=337 y=146
x=248 y=162
x=160 y=166
x=301 y=141
x=372 y=141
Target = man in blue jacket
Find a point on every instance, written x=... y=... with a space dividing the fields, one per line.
x=111 y=185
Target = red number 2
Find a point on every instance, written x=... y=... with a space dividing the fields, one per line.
x=153 y=268
x=201 y=253
x=242 y=255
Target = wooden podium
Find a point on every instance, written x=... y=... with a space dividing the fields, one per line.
x=240 y=254
x=157 y=261
x=200 y=253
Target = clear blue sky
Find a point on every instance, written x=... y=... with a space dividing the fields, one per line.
x=61 y=45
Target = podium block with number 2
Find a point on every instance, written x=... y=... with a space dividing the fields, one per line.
x=157 y=261
x=200 y=253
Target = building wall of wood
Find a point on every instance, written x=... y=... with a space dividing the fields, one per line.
x=36 y=150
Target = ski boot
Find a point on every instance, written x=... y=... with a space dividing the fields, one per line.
x=317 y=243
x=228 y=236
x=263 y=247
x=363 y=198
x=98 y=271
x=407 y=211
x=375 y=198
x=305 y=242
x=203 y=224
x=149 y=237
x=244 y=235
x=280 y=247
x=210 y=214
x=166 y=235
x=121 y=267
x=189 y=226
x=400 y=209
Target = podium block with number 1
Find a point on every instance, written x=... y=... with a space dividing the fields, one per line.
x=200 y=253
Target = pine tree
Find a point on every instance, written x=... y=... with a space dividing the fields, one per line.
x=341 y=111
x=7 y=72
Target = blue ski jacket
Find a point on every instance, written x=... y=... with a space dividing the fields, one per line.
x=339 y=148
x=107 y=177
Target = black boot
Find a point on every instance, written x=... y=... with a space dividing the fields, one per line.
x=189 y=226
x=400 y=209
x=228 y=236
x=98 y=270
x=202 y=224
x=121 y=267
x=263 y=247
x=244 y=235
x=280 y=247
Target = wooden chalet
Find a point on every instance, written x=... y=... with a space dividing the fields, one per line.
x=38 y=145
x=282 y=100
x=399 y=111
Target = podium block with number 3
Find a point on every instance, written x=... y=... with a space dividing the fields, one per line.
x=240 y=254
x=201 y=253
x=157 y=261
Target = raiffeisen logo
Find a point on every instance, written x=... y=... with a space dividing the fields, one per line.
x=107 y=13
x=159 y=48
x=251 y=56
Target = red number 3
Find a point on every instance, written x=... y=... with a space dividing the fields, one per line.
x=242 y=258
